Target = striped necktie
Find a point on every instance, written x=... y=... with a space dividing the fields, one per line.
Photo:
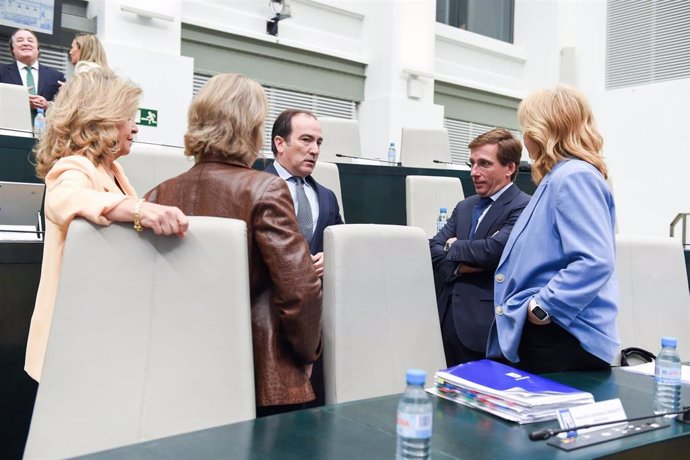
x=304 y=218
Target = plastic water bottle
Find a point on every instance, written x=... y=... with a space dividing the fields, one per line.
x=667 y=381
x=415 y=413
x=442 y=219
x=39 y=122
x=391 y=152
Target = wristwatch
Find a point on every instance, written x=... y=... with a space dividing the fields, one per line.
x=537 y=311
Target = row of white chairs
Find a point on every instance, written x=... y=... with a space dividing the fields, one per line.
x=419 y=147
x=151 y=336
x=147 y=165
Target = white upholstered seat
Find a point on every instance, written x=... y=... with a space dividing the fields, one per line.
x=426 y=195
x=15 y=115
x=380 y=315
x=151 y=337
x=341 y=136
x=147 y=165
x=327 y=175
x=420 y=147
x=655 y=301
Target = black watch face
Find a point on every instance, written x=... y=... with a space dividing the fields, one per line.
x=539 y=313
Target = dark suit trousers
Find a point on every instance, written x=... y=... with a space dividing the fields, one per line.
x=550 y=348
x=456 y=352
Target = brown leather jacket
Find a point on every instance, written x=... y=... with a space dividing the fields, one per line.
x=285 y=290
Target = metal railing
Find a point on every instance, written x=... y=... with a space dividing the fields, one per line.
x=681 y=217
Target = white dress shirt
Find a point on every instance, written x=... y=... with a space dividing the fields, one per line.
x=308 y=190
x=34 y=72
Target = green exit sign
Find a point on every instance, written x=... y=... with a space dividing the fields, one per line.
x=147 y=117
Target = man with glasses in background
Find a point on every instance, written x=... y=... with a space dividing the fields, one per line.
x=466 y=251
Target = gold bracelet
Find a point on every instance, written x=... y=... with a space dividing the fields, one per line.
x=136 y=215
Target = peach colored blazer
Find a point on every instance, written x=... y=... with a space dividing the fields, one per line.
x=74 y=188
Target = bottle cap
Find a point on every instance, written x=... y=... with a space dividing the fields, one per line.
x=669 y=342
x=392 y=144
x=444 y=209
x=416 y=377
x=39 y=110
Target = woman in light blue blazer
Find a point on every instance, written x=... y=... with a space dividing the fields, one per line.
x=555 y=289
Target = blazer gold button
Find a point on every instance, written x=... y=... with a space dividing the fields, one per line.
x=499 y=310
x=500 y=278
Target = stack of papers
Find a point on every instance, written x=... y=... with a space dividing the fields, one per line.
x=509 y=393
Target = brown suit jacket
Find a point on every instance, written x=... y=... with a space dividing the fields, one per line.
x=285 y=291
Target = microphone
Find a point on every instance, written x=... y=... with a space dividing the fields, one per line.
x=447 y=162
x=540 y=435
x=396 y=163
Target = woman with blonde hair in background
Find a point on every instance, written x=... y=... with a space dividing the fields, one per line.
x=555 y=290
x=87 y=53
x=88 y=127
x=224 y=135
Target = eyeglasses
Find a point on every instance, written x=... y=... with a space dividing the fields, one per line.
x=481 y=164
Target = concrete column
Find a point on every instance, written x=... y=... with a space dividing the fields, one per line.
x=400 y=87
x=142 y=41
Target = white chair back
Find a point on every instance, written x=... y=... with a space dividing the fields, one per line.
x=327 y=175
x=341 y=136
x=16 y=113
x=426 y=195
x=151 y=337
x=655 y=301
x=379 y=310
x=420 y=147
x=147 y=165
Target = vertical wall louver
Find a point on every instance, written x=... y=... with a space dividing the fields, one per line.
x=461 y=133
x=281 y=99
x=647 y=41
x=51 y=56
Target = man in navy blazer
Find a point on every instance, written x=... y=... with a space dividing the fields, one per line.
x=25 y=48
x=296 y=142
x=466 y=251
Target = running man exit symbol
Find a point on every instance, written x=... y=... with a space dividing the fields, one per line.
x=147 y=117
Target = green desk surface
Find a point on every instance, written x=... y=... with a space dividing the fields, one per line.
x=366 y=430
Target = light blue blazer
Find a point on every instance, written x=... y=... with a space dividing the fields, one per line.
x=562 y=252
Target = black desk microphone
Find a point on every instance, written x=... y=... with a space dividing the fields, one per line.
x=396 y=163
x=540 y=435
x=447 y=162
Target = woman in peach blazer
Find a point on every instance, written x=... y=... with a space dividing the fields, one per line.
x=88 y=127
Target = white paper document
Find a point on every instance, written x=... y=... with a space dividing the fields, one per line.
x=648 y=369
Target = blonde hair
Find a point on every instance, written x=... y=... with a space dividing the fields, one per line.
x=561 y=125
x=226 y=119
x=90 y=49
x=85 y=117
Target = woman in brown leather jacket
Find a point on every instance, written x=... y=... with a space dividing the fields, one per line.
x=225 y=136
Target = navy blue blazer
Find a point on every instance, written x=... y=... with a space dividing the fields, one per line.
x=329 y=211
x=473 y=293
x=47 y=79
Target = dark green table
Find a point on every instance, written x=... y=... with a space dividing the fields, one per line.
x=366 y=430
x=17 y=159
x=376 y=194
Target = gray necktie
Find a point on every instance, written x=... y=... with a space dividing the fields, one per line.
x=306 y=224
